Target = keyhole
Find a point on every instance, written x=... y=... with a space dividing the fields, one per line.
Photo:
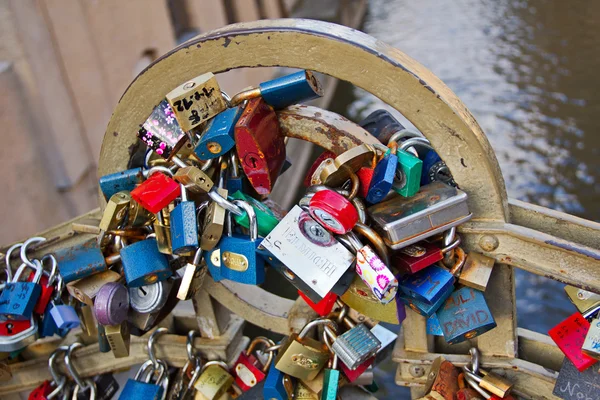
x=253 y=162
x=9 y=328
x=143 y=291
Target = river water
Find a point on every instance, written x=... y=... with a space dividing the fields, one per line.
x=527 y=71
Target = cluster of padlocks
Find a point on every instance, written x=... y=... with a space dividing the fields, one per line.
x=375 y=231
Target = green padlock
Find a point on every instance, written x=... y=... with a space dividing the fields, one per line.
x=266 y=218
x=409 y=170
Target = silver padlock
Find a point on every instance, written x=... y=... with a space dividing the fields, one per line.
x=21 y=339
x=150 y=298
x=308 y=250
x=354 y=346
x=436 y=208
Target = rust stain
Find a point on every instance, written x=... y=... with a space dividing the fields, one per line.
x=115 y=133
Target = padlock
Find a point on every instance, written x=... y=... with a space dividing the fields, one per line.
x=42 y=391
x=464 y=392
x=427 y=285
x=333 y=211
x=119 y=338
x=304 y=393
x=112 y=304
x=433 y=326
x=115 y=211
x=214 y=380
x=381 y=124
x=103 y=345
x=365 y=176
x=141 y=386
x=47 y=284
x=331 y=380
x=143 y=264
x=86 y=289
x=80 y=261
x=64 y=316
x=355 y=346
x=236 y=255
x=191 y=272
x=277 y=385
x=442 y=379
x=495 y=384
x=265 y=217
x=411 y=259
x=569 y=336
x=373 y=271
x=591 y=345
x=106 y=387
x=322 y=307
x=9 y=328
x=20 y=339
x=194 y=179
x=260 y=146
x=301 y=356
x=408 y=174
x=149 y=298
x=572 y=384
x=212 y=229
x=434 y=209
x=334 y=172
x=120 y=181
x=284 y=91
x=465 y=315
x=477 y=271
x=360 y=298
x=309 y=251
x=218 y=136
x=196 y=101
x=184 y=225
x=246 y=370
x=584 y=300
x=322 y=157
x=383 y=177
x=435 y=170
x=162 y=231
x=426 y=309
x=89 y=325
x=161 y=132
x=156 y=192
x=18 y=299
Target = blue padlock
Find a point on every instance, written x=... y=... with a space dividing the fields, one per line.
x=64 y=316
x=465 y=315
x=381 y=124
x=141 y=387
x=383 y=178
x=18 y=299
x=433 y=326
x=218 y=137
x=284 y=91
x=48 y=325
x=239 y=260
x=426 y=309
x=119 y=181
x=427 y=285
x=277 y=385
x=143 y=264
x=434 y=169
x=80 y=261
x=184 y=225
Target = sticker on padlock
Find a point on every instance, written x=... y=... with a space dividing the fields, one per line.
x=260 y=145
x=196 y=101
x=465 y=315
x=112 y=304
x=298 y=240
x=360 y=298
x=161 y=132
x=434 y=209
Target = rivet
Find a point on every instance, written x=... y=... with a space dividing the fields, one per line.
x=417 y=371
x=488 y=242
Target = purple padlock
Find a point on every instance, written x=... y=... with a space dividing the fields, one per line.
x=111 y=304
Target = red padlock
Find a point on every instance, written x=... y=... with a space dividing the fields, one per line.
x=246 y=370
x=156 y=192
x=416 y=257
x=333 y=211
x=365 y=176
x=324 y=306
x=13 y=327
x=45 y=296
x=41 y=392
x=353 y=374
x=569 y=336
x=260 y=145
x=324 y=155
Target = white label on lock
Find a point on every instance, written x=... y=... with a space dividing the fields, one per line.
x=245 y=375
x=309 y=251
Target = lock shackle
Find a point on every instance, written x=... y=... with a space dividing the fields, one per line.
x=84 y=384
x=53 y=268
x=36 y=266
x=201 y=207
x=223 y=202
x=192 y=355
x=404 y=133
x=148 y=173
x=198 y=257
x=245 y=95
x=354 y=181
x=60 y=286
x=361 y=209
x=179 y=162
x=375 y=239
x=267 y=343
x=457 y=262
x=252 y=220
x=223 y=168
x=235 y=167
x=91 y=385
x=184 y=196
x=414 y=142
x=58 y=378
x=327 y=336
x=591 y=312
x=476 y=386
x=475 y=359
x=26 y=244
x=214 y=362
x=7 y=258
x=151 y=342
x=207 y=164
x=317 y=322
x=147 y=371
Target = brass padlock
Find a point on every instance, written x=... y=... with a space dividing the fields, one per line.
x=214 y=380
x=303 y=357
x=86 y=289
x=115 y=211
x=194 y=179
x=213 y=223
x=162 y=230
x=582 y=299
x=334 y=172
x=89 y=325
x=360 y=298
x=119 y=338
x=477 y=271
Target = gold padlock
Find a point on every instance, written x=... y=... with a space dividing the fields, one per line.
x=582 y=299
x=194 y=179
x=334 y=172
x=477 y=271
x=162 y=229
x=360 y=298
x=119 y=338
x=214 y=380
x=213 y=223
x=304 y=393
x=86 y=289
x=115 y=211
